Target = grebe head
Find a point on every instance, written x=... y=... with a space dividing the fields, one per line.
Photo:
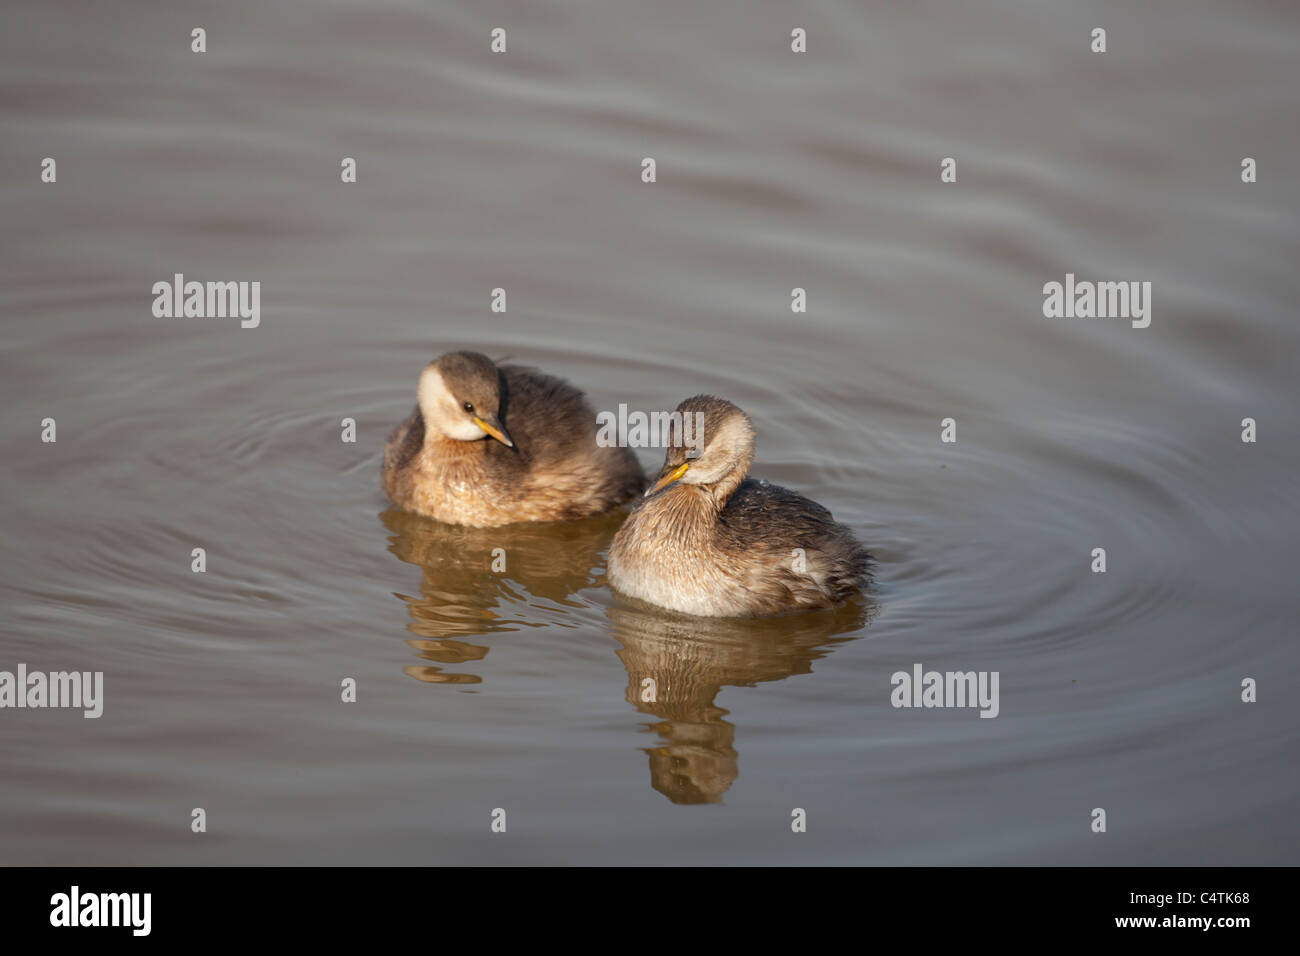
x=712 y=443
x=460 y=397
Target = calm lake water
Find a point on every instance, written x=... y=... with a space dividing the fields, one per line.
x=519 y=690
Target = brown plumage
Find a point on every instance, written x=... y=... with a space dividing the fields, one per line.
x=709 y=541
x=488 y=446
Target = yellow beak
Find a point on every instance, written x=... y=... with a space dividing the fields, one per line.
x=495 y=429
x=667 y=478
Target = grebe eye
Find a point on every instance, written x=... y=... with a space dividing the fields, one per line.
x=469 y=407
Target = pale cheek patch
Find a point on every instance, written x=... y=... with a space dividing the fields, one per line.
x=441 y=410
x=723 y=454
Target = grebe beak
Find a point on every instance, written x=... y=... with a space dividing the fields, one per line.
x=494 y=428
x=667 y=477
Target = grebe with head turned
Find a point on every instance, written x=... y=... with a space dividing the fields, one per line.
x=709 y=541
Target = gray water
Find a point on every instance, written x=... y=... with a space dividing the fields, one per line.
x=520 y=690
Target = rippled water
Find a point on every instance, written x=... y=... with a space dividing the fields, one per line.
x=520 y=690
